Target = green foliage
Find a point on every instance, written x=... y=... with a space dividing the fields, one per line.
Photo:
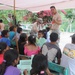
x=70 y=14
x=33 y=18
x=47 y=18
x=68 y=19
x=20 y=13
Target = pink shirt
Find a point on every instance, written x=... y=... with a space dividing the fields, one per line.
x=31 y=52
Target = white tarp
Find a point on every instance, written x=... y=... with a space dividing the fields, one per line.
x=36 y=5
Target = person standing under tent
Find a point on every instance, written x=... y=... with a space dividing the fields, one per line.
x=1 y=26
x=38 y=25
x=9 y=19
x=56 y=21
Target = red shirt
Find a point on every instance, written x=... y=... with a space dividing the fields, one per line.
x=0 y=36
x=1 y=58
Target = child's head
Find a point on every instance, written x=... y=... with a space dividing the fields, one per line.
x=23 y=37
x=40 y=34
x=73 y=38
x=54 y=37
x=39 y=64
x=13 y=28
x=11 y=57
x=1 y=20
x=3 y=47
x=32 y=39
x=5 y=33
x=47 y=28
x=19 y=30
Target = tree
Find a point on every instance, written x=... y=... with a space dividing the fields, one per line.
x=68 y=20
x=71 y=17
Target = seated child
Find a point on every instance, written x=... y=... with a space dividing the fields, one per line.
x=18 y=33
x=21 y=43
x=40 y=40
x=31 y=48
x=12 y=33
x=5 y=38
x=17 y=36
x=69 y=49
x=3 y=49
x=40 y=65
x=11 y=58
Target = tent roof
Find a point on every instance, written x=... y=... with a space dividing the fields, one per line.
x=36 y=5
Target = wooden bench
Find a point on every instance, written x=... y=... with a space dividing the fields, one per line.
x=58 y=69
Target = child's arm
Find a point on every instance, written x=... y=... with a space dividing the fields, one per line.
x=48 y=72
x=25 y=72
x=17 y=45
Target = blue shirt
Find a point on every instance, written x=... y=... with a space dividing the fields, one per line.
x=6 y=40
x=11 y=35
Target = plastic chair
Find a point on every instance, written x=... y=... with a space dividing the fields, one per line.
x=25 y=64
x=57 y=68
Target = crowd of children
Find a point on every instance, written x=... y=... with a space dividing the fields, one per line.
x=21 y=44
x=44 y=48
x=41 y=42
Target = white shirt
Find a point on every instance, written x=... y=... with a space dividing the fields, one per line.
x=9 y=19
x=36 y=27
x=2 y=26
x=70 y=46
x=48 y=36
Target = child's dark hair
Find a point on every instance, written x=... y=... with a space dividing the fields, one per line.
x=19 y=29
x=9 y=57
x=47 y=28
x=4 y=32
x=2 y=47
x=32 y=39
x=40 y=31
x=12 y=28
x=53 y=7
x=23 y=36
x=73 y=40
x=39 y=64
x=54 y=37
x=1 y=20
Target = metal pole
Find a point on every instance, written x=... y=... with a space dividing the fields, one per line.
x=14 y=9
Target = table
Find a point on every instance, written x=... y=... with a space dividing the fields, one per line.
x=26 y=27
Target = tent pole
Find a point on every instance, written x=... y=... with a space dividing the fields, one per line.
x=14 y=9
